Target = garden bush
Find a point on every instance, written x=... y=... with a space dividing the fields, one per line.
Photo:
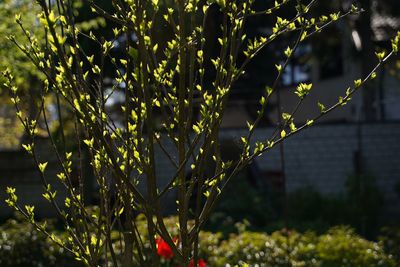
x=390 y=239
x=339 y=247
x=21 y=245
x=309 y=209
x=248 y=202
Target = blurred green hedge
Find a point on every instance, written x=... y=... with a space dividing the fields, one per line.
x=339 y=247
x=21 y=245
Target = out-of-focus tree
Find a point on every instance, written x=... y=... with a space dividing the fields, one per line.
x=28 y=75
x=9 y=53
x=27 y=80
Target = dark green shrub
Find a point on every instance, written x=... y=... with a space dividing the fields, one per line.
x=309 y=210
x=390 y=240
x=246 y=203
x=364 y=202
x=359 y=206
x=342 y=247
x=21 y=246
x=339 y=247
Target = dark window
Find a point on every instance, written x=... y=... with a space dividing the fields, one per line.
x=299 y=69
x=328 y=50
x=331 y=64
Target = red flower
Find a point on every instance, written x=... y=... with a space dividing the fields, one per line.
x=200 y=263
x=163 y=249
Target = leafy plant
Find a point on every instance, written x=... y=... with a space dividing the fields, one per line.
x=22 y=245
x=358 y=206
x=338 y=247
x=173 y=89
x=390 y=240
x=246 y=203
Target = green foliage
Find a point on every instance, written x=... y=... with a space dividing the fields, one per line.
x=339 y=247
x=166 y=80
x=364 y=202
x=242 y=201
x=359 y=206
x=10 y=132
x=11 y=55
x=308 y=209
x=22 y=245
x=390 y=240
